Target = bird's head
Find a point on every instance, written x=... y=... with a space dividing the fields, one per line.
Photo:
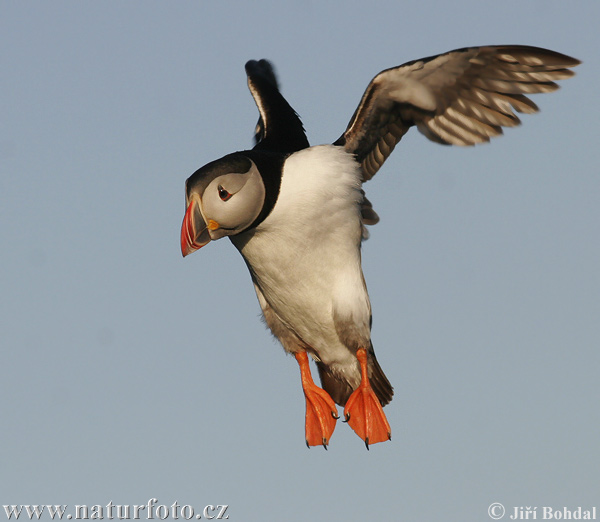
x=223 y=198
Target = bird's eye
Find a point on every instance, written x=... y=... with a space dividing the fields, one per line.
x=223 y=194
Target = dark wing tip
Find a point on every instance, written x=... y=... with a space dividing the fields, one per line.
x=263 y=68
x=534 y=56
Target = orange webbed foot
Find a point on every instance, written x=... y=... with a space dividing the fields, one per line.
x=363 y=411
x=321 y=411
x=321 y=416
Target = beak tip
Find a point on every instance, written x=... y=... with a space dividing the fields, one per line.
x=187 y=245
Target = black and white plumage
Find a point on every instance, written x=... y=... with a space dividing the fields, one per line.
x=297 y=213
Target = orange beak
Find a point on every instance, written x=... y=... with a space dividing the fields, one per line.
x=194 y=231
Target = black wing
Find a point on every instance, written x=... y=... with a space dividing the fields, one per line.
x=462 y=97
x=279 y=128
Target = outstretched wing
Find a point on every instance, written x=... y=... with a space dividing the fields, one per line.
x=279 y=128
x=462 y=97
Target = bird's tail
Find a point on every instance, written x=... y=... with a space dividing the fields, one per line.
x=340 y=390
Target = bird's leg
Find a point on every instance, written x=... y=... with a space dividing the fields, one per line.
x=321 y=412
x=363 y=411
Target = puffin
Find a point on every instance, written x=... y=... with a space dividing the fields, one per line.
x=297 y=213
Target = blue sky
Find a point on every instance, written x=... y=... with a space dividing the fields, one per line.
x=130 y=373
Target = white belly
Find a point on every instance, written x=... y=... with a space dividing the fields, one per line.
x=305 y=256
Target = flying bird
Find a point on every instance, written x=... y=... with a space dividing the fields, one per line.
x=297 y=213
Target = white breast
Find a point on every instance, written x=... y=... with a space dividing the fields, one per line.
x=306 y=255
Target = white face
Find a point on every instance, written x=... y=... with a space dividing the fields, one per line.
x=231 y=202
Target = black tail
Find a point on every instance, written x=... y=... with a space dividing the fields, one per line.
x=340 y=390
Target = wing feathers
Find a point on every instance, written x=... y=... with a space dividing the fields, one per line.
x=279 y=128
x=462 y=97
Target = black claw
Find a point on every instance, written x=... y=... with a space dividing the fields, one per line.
x=325 y=443
x=335 y=415
x=307 y=444
x=389 y=435
x=346 y=417
x=367 y=443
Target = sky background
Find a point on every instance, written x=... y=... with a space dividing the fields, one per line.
x=130 y=373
